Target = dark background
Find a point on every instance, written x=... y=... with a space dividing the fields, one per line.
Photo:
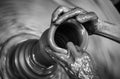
x=117 y=5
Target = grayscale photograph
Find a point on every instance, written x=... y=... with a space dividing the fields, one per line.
x=59 y=39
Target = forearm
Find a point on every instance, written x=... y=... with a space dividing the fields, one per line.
x=108 y=30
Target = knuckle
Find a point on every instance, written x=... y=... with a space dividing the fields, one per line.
x=59 y=8
x=58 y=12
x=81 y=18
x=63 y=8
x=93 y=15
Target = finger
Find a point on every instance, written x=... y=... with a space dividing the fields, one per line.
x=73 y=50
x=90 y=16
x=71 y=47
x=72 y=13
x=59 y=11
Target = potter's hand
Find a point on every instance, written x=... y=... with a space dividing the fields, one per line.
x=62 y=14
x=77 y=63
x=89 y=20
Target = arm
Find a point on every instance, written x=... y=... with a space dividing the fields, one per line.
x=108 y=30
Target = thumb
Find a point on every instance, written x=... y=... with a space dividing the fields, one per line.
x=73 y=50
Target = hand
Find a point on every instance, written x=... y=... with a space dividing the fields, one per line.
x=77 y=63
x=88 y=19
x=92 y=24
